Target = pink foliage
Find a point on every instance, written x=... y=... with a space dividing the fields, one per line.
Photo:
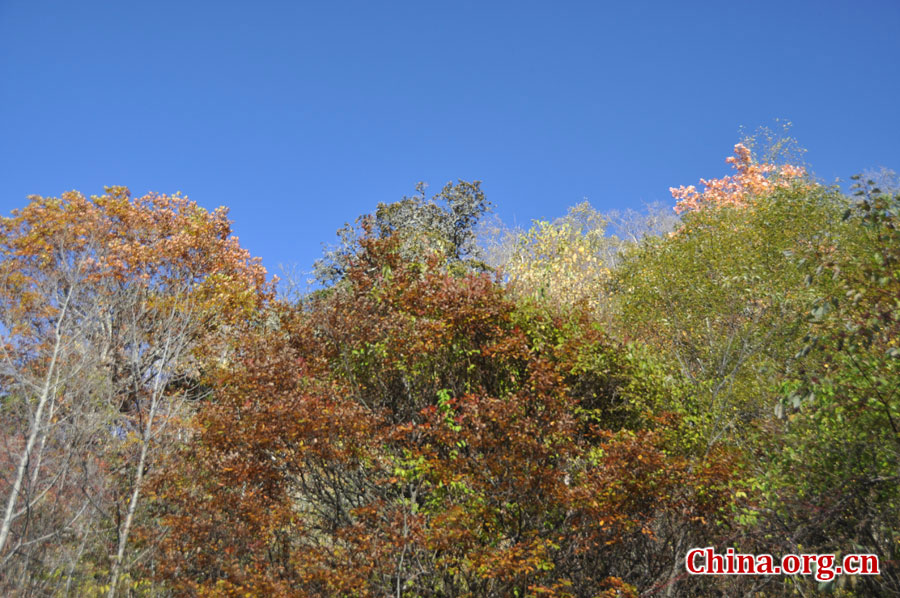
x=736 y=190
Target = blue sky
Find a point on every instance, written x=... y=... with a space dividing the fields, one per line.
x=300 y=116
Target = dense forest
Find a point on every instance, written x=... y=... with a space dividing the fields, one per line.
x=455 y=408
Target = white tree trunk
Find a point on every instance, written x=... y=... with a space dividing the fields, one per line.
x=34 y=431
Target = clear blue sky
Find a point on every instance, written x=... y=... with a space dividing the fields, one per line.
x=301 y=115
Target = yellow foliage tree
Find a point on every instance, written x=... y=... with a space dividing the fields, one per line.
x=565 y=261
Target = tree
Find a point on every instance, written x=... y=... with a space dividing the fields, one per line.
x=751 y=180
x=569 y=260
x=110 y=307
x=777 y=305
x=724 y=298
x=414 y=432
x=837 y=469
x=557 y=263
x=446 y=224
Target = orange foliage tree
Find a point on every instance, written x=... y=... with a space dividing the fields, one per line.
x=110 y=307
x=750 y=179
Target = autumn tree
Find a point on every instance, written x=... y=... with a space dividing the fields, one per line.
x=563 y=262
x=111 y=307
x=416 y=432
x=751 y=179
x=569 y=260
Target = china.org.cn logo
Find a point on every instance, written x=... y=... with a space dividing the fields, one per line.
x=706 y=561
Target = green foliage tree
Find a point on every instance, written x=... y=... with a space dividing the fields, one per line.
x=723 y=298
x=837 y=467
